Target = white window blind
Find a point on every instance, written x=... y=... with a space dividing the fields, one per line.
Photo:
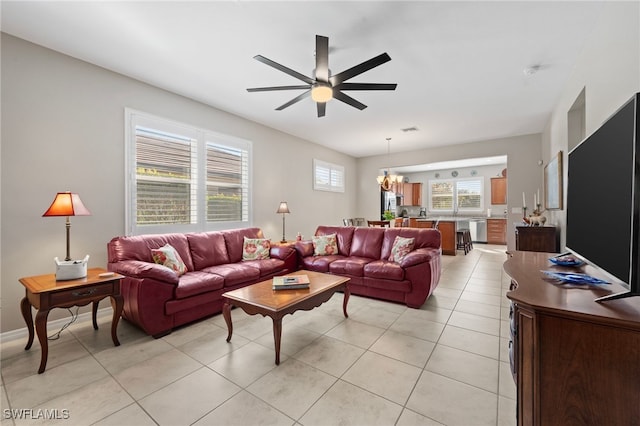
x=456 y=195
x=182 y=178
x=327 y=176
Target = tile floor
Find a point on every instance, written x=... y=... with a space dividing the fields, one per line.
x=446 y=363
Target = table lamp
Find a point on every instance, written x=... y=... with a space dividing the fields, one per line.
x=67 y=204
x=283 y=209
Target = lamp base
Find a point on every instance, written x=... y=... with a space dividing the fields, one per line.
x=71 y=269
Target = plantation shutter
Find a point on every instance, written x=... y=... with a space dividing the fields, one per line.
x=165 y=178
x=469 y=194
x=441 y=195
x=227 y=183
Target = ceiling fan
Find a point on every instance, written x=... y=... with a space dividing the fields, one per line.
x=323 y=86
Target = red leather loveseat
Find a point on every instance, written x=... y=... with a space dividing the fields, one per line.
x=157 y=300
x=363 y=255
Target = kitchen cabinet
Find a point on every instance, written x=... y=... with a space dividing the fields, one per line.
x=410 y=193
x=574 y=361
x=537 y=238
x=496 y=231
x=498 y=190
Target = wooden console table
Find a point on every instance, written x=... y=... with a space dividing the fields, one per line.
x=44 y=293
x=537 y=238
x=575 y=361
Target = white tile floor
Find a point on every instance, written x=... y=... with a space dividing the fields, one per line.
x=446 y=363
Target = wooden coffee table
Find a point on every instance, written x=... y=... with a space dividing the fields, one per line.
x=261 y=299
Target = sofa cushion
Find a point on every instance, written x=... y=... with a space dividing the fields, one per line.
x=424 y=238
x=207 y=249
x=353 y=266
x=325 y=245
x=367 y=242
x=319 y=263
x=344 y=235
x=234 y=273
x=401 y=248
x=169 y=257
x=197 y=282
x=266 y=266
x=384 y=269
x=138 y=247
x=255 y=248
x=235 y=241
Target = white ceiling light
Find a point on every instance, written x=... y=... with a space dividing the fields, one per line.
x=321 y=92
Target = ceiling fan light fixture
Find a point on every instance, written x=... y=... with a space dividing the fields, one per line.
x=321 y=92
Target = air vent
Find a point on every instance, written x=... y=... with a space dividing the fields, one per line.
x=410 y=129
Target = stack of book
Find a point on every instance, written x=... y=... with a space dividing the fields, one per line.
x=290 y=282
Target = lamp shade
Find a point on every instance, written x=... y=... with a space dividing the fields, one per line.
x=283 y=208
x=67 y=204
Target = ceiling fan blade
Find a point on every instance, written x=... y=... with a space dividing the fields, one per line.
x=322 y=58
x=268 y=89
x=294 y=100
x=359 y=69
x=322 y=107
x=366 y=86
x=284 y=69
x=348 y=100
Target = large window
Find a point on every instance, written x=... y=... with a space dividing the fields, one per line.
x=181 y=178
x=463 y=195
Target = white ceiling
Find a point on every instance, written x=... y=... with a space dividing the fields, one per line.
x=458 y=65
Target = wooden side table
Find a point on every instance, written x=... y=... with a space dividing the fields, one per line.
x=44 y=293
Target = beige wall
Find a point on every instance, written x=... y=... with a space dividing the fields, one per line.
x=63 y=129
x=523 y=172
x=608 y=70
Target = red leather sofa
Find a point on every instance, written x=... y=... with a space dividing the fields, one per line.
x=157 y=300
x=362 y=256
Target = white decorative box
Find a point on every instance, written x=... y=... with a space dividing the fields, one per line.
x=71 y=269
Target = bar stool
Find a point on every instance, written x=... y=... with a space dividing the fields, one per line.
x=463 y=240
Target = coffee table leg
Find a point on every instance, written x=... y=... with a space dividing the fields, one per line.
x=117 y=304
x=347 y=293
x=25 y=307
x=277 y=336
x=41 y=331
x=226 y=313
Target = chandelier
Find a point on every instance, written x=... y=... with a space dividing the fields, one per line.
x=387 y=179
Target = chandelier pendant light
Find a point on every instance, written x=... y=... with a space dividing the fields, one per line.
x=386 y=180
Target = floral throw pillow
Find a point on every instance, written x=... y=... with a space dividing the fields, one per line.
x=325 y=245
x=256 y=248
x=169 y=257
x=401 y=247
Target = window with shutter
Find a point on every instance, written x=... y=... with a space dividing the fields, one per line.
x=182 y=178
x=327 y=176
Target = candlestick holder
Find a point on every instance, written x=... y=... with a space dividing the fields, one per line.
x=524 y=214
x=537 y=211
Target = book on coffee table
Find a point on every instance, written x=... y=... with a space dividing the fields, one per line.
x=290 y=282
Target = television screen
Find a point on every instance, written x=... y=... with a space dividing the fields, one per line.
x=602 y=197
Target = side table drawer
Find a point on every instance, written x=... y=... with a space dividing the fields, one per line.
x=83 y=293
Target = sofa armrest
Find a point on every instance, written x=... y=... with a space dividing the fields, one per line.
x=281 y=252
x=304 y=248
x=140 y=269
x=419 y=256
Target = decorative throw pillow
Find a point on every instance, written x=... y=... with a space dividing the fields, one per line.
x=169 y=257
x=401 y=247
x=256 y=248
x=325 y=245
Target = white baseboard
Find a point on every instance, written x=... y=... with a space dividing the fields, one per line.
x=22 y=333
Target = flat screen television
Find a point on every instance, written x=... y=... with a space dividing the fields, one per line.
x=603 y=198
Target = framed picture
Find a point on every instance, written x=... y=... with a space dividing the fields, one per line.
x=553 y=183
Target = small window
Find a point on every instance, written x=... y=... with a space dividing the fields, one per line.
x=327 y=176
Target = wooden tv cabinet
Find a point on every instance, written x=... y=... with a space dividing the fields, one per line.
x=575 y=361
